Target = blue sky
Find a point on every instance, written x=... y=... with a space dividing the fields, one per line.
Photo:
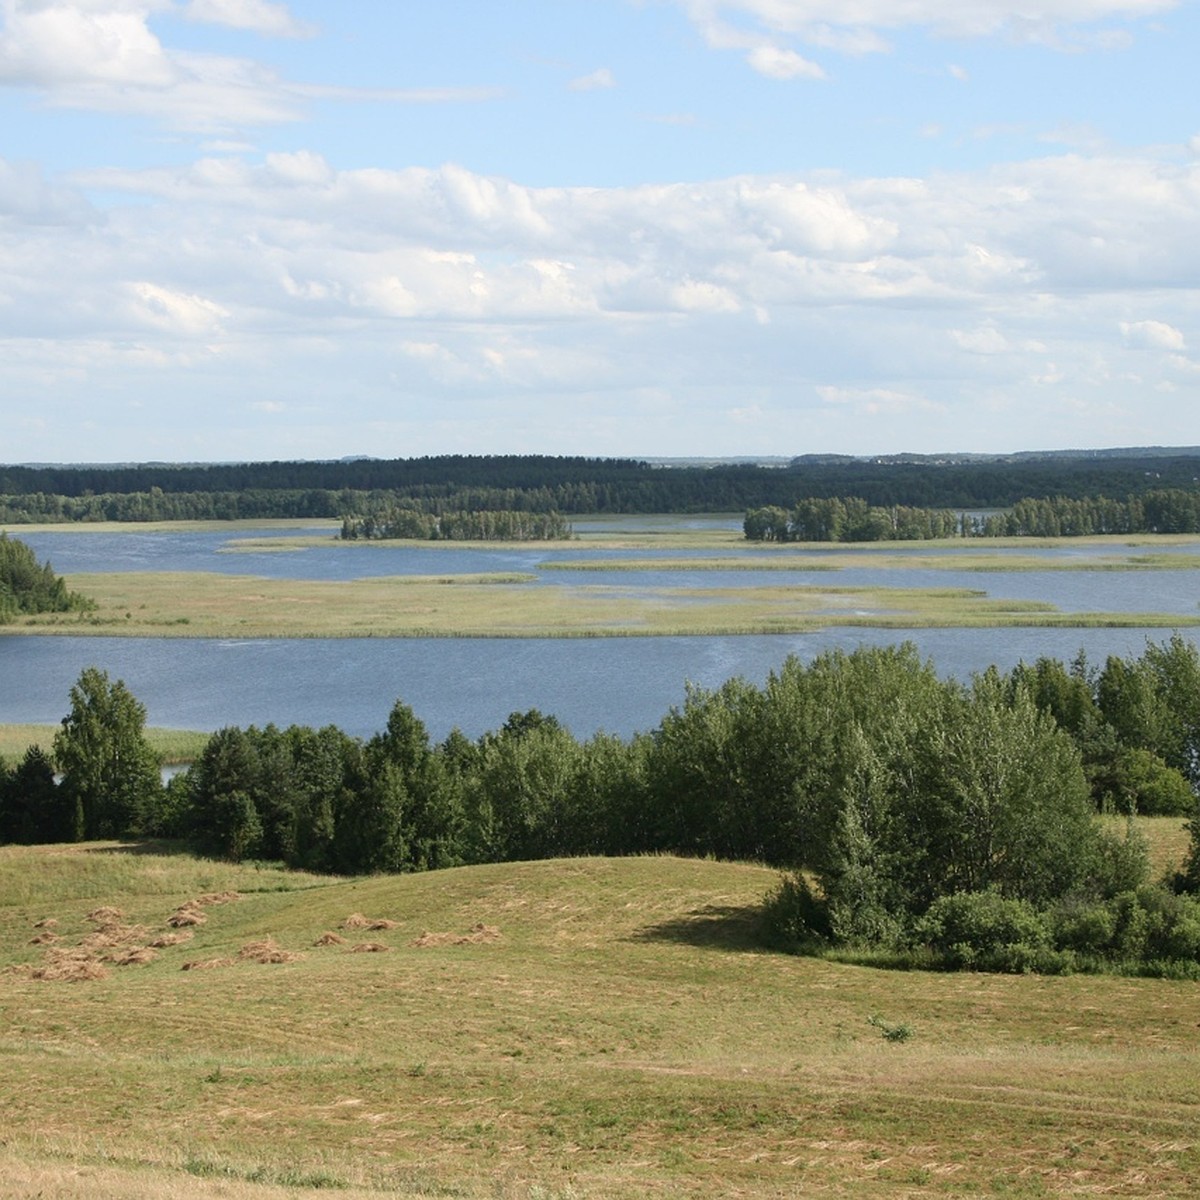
x=239 y=229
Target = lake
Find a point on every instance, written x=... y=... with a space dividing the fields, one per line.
x=621 y=685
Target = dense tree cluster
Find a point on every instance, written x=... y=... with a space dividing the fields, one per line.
x=852 y=519
x=27 y=586
x=482 y=525
x=954 y=823
x=569 y=485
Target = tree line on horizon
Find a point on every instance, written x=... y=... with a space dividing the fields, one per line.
x=955 y=824
x=853 y=519
x=571 y=486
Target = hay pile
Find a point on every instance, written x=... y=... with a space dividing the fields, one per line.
x=68 y=965
x=135 y=956
x=111 y=941
x=186 y=915
x=164 y=940
x=267 y=951
x=329 y=938
x=358 y=921
x=478 y=935
x=369 y=948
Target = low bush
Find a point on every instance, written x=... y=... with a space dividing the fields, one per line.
x=987 y=931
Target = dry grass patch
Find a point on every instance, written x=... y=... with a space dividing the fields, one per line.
x=105 y=915
x=369 y=948
x=137 y=956
x=478 y=935
x=358 y=921
x=330 y=938
x=165 y=940
x=267 y=951
x=186 y=918
x=67 y=965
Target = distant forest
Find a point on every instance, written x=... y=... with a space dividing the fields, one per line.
x=453 y=484
x=1162 y=510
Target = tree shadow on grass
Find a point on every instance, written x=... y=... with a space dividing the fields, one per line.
x=163 y=847
x=732 y=927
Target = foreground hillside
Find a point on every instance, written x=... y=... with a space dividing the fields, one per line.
x=572 y=1028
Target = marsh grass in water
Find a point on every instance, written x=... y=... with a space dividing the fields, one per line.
x=622 y=1035
x=197 y=604
x=787 y=559
x=173 y=746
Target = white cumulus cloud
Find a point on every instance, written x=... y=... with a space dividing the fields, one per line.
x=1156 y=335
x=176 y=312
x=778 y=63
x=52 y=44
x=105 y=56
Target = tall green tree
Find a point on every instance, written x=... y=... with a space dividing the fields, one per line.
x=32 y=806
x=110 y=773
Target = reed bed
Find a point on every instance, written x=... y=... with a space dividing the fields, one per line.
x=185 y=604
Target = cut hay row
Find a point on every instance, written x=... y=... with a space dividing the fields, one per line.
x=112 y=942
x=479 y=935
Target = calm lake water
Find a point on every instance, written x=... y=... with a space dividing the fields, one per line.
x=617 y=684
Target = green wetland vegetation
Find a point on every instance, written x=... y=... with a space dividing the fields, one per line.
x=511 y=603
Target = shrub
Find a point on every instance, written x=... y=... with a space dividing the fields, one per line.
x=794 y=917
x=1085 y=926
x=985 y=930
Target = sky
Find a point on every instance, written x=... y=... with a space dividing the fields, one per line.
x=248 y=229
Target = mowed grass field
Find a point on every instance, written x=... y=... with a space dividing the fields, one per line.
x=578 y=1028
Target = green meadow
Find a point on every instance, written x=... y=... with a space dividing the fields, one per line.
x=591 y=1028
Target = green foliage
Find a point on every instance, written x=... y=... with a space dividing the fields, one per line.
x=794 y=918
x=852 y=519
x=31 y=808
x=388 y=520
x=110 y=773
x=522 y=776
x=1134 y=780
x=984 y=930
x=891 y=1033
x=27 y=586
x=914 y=498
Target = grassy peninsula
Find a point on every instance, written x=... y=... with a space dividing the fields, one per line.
x=204 y=604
